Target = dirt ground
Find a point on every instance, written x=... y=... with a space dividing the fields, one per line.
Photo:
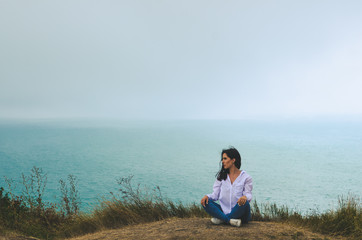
x=202 y=228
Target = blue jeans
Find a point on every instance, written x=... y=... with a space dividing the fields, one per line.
x=237 y=212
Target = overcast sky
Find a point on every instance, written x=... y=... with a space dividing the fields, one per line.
x=180 y=59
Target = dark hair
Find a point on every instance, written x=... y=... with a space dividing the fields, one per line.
x=233 y=154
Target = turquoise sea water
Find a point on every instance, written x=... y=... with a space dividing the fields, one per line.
x=304 y=165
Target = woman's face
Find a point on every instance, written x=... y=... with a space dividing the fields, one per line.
x=226 y=161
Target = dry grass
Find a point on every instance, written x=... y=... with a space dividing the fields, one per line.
x=201 y=228
x=134 y=208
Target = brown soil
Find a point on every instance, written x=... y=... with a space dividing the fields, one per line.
x=202 y=228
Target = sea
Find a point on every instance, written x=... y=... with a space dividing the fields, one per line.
x=305 y=165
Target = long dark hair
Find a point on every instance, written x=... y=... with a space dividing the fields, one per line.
x=233 y=154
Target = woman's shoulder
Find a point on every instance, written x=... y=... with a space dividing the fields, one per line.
x=245 y=174
x=218 y=182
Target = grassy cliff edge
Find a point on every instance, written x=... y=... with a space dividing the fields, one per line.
x=29 y=215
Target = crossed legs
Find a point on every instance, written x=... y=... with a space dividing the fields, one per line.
x=237 y=212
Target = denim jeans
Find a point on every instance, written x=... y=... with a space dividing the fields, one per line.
x=237 y=212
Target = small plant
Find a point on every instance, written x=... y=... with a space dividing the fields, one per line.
x=70 y=200
x=11 y=205
x=5 y=204
x=136 y=194
x=34 y=186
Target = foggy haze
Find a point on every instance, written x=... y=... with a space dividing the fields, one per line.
x=180 y=59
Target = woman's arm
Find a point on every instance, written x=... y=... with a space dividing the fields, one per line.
x=216 y=191
x=215 y=194
x=248 y=187
x=247 y=195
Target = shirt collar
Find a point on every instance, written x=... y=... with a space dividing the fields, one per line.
x=241 y=173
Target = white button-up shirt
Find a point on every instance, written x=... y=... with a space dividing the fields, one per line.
x=228 y=194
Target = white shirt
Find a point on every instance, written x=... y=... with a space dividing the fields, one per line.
x=228 y=194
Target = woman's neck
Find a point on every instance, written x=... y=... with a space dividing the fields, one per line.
x=234 y=171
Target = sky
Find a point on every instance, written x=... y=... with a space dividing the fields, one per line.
x=189 y=59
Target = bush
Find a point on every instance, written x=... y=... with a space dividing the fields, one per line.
x=70 y=200
x=28 y=213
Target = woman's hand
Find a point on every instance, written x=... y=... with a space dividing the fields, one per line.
x=242 y=200
x=204 y=201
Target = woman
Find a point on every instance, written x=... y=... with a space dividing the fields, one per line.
x=233 y=191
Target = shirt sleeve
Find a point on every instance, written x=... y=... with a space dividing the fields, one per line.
x=248 y=187
x=216 y=191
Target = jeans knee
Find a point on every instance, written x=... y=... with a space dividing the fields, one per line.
x=206 y=205
x=210 y=202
